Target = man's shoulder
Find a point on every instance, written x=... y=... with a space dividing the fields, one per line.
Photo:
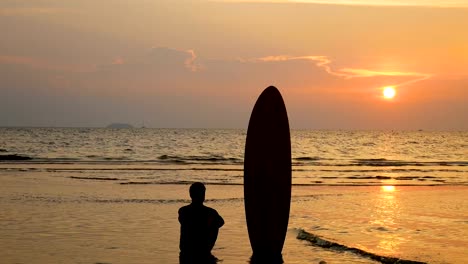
x=184 y=208
x=212 y=213
x=211 y=210
x=203 y=208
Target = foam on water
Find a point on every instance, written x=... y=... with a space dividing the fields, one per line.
x=320 y=242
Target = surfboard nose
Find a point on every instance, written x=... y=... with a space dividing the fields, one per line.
x=271 y=92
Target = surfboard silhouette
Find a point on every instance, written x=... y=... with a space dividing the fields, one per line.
x=267 y=177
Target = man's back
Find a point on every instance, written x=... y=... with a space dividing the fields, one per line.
x=199 y=227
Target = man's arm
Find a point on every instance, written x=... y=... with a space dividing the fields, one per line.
x=181 y=215
x=220 y=220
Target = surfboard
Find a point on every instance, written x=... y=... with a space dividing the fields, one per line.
x=267 y=177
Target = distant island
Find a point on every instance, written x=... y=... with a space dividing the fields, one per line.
x=119 y=125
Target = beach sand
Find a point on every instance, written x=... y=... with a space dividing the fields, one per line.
x=53 y=219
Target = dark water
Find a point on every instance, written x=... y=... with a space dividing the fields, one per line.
x=159 y=156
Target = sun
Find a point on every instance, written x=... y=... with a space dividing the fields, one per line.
x=389 y=92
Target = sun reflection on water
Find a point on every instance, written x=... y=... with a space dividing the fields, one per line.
x=384 y=222
x=388 y=188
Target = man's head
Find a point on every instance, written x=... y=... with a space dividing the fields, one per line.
x=197 y=192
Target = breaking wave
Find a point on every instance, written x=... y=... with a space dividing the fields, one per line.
x=324 y=243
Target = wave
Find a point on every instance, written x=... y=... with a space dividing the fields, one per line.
x=385 y=162
x=297 y=162
x=176 y=183
x=400 y=178
x=434 y=182
x=234 y=176
x=380 y=163
x=218 y=200
x=52 y=199
x=307 y=158
x=80 y=169
x=10 y=157
x=400 y=170
x=324 y=243
x=95 y=178
x=240 y=169
x=199 y=159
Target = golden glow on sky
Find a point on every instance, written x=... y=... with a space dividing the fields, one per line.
x=389 y=92
x=432 y=3
x=160 y=62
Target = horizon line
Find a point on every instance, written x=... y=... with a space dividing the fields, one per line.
x=233 y=128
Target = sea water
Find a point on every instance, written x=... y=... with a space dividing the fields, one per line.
x=91 y=195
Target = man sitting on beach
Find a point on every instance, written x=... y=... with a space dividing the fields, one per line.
x=199 y=227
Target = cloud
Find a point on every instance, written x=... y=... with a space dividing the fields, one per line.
x=156 y=69
x=353 y=73
x=191 y=62
x=347 y=73
x=161 y=58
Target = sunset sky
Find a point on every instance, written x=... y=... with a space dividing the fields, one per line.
x=199 y=63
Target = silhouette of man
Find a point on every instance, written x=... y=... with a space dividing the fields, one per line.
x=199 y=227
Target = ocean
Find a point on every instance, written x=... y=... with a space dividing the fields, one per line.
x=97 y=195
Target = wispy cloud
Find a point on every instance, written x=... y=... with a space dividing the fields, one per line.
x=352 y=73
x=190 y=62
x=157 y=59
x=427 y=3
x=348 y=73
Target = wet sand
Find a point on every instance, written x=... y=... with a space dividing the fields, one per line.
x=53 y=219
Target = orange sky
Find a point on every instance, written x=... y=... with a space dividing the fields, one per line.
x=203 y=63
